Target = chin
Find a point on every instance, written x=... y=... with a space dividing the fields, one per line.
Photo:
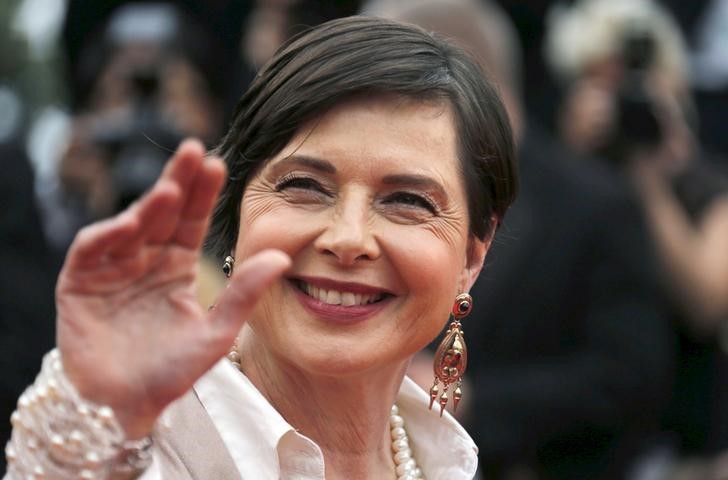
x=346 y=359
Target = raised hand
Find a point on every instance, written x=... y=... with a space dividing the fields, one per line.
x=130 y=331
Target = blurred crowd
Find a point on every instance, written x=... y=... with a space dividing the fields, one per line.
x=598 y=348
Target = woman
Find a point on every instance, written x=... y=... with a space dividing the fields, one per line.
x=368 y=166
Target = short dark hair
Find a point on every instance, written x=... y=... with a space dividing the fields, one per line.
x=328 y=64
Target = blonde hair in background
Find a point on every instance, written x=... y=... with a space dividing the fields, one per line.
x=593 y=30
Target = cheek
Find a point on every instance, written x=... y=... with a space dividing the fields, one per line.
x=431 y=270
x=425 y=259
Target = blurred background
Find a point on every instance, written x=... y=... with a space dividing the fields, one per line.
x=599 y=342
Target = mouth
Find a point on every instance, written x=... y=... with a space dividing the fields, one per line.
x=343 y=297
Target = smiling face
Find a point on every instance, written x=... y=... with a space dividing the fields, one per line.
x=369 y=203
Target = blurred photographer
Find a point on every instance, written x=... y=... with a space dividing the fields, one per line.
x=606 y=55
x=627 y=102
x=146 y=89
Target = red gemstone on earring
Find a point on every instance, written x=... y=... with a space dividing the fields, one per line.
x=462 y=306
x=451 y=357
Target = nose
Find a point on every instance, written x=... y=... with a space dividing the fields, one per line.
x=348 y=235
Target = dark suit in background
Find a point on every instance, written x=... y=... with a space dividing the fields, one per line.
x=569 y=355
x=27 y=279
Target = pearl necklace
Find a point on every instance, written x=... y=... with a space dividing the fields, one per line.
x=405 y=464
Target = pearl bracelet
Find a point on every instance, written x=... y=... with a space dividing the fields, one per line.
x=59 y=435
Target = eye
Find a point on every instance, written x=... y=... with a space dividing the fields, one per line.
x=299 y=183
x=412 y=200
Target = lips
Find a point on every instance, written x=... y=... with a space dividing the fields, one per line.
x=340 y=302
x=332 y=296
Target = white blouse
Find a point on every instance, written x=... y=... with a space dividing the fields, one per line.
x=264 y=446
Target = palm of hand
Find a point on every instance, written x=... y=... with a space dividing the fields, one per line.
x=130 y=331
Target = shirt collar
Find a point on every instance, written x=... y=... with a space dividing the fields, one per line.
x=441 y=446
x=255 y=434
x=249 y=426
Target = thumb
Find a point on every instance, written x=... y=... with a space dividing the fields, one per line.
x=251 y=278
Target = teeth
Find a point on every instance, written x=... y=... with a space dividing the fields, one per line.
x=334 y=297
x=348 y=299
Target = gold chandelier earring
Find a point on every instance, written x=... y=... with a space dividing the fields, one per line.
x=227 y=267
x=451 y=356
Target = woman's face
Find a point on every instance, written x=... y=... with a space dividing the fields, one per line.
x=369 y=203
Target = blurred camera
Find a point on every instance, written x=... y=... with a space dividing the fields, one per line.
x=137 y=144
x=636 y=123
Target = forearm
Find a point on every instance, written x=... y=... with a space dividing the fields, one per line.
x=695 y=258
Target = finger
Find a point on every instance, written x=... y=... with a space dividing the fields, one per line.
x=93 y=242
x=252 y=277
x=185 y=163
x=204 y=191
x=160 y=208
x=157 y=214
x=161 y=213
x=195 y=215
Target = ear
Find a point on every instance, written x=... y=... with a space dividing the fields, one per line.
x=475 y=258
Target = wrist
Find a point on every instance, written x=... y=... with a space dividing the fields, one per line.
x=135 y=415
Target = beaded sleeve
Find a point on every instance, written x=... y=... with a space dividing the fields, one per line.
x=59 y=435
